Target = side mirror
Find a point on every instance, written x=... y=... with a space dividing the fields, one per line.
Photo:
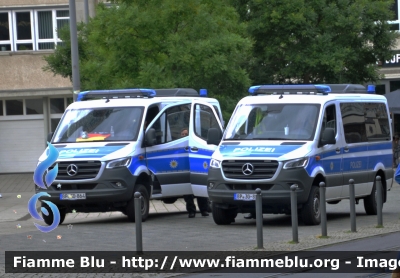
x=328 y=137
x=50 y=136
x=214 y=136
x=150 y=137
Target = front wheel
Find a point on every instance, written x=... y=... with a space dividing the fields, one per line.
x=145 y=204
x=370 y=204
x=48 y=219
x=311 y=213
x=223 y=216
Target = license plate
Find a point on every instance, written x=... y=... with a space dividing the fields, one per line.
x=72 y=196
x=244 y=197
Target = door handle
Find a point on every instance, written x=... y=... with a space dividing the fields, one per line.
x=187 y=148
x=346 y=149
x=337 y=150
x=194 y=149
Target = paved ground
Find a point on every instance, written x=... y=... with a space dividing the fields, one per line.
x=169 y=229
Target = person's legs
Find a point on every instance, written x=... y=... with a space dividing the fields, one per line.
x=190 y=206
x=202 y=202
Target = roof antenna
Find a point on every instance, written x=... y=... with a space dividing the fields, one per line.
x=281 y=96
x=107 y=99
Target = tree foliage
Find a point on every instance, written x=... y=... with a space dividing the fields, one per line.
x=162 y=44
x=227 y=45
x=317 y=41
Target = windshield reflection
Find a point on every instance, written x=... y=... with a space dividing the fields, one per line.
x=99 y=124
x=273 y=122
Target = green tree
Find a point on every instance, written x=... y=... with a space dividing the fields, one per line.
x=162 y=44
x=317 y=41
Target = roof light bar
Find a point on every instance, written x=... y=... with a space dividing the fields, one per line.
x=114 y=94
x=290 y=90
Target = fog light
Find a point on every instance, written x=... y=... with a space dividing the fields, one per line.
x=210 y=185
x=118 y=184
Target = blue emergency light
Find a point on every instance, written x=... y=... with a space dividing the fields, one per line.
x=371 y=89
x=308 y=89
x=203 y=92
x=114 y=94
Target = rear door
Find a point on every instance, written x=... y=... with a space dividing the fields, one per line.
x=203 y=117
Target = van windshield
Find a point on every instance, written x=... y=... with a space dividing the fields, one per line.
x=273 y=122
x=99 y=124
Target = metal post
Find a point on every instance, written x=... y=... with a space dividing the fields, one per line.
x=86 y=11
x=293 y=202
x=322 y=190
x=352 y=197
x=138 y=221
x=379 y=203
x=76 y=83
x=259 y=219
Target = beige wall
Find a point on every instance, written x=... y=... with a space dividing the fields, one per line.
x=24 y=71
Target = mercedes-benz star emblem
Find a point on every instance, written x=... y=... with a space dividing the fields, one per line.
x=72 y=170
x=247 y=169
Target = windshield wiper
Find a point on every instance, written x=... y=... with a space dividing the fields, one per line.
x=268 y=138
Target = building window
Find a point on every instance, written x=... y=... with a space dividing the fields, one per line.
x=31 y=29
x=34 y=106
x=1 y=108
x=380 y=89
x=394 y=85
x=54 y=124
x=14 y=107
x=57 y=105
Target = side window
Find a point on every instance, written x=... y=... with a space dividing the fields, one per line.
x=353 y=122
x=170 y=124
x=203 y=120
x=376 y=121
x=329 y=119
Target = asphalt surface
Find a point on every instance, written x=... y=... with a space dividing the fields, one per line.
x=169 y=229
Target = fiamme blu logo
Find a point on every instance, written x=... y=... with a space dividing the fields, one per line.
x=44 y=178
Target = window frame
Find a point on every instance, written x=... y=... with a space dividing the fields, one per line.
x=13 y=41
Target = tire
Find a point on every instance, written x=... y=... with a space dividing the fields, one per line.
x=223 y=216
x=311 y=212
x=48 y=219
x=370 y=204
x=130 y=208
x=169 y=200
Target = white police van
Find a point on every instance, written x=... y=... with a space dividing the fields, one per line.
x=112 y=143
x=301 y=134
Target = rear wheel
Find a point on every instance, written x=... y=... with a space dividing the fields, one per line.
x=145 y=204
x=223 y=216
x=311 y=213
x=48 y=219
x=370 y=204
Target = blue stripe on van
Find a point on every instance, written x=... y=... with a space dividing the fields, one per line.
x=256 y=151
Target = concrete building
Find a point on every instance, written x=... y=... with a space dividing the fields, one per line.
x=31 y=100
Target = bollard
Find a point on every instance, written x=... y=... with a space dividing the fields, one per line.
x=259 y=219
x=379 y=199
x=322 y=190
x=293 y=202
x=138 y=221
x=352 y=196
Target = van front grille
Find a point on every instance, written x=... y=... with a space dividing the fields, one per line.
x=249 y=170
x=84 y=170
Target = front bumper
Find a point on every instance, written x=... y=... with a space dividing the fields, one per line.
x=101 y=195
x=275 y=193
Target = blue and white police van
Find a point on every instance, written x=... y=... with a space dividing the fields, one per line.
x=112 y=143
x=284 y=135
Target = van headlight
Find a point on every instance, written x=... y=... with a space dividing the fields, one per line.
x=121 y=162
x=215 y=163
x=297 y=163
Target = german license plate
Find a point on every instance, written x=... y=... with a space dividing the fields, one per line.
x=244 y=197
x=72 y=196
